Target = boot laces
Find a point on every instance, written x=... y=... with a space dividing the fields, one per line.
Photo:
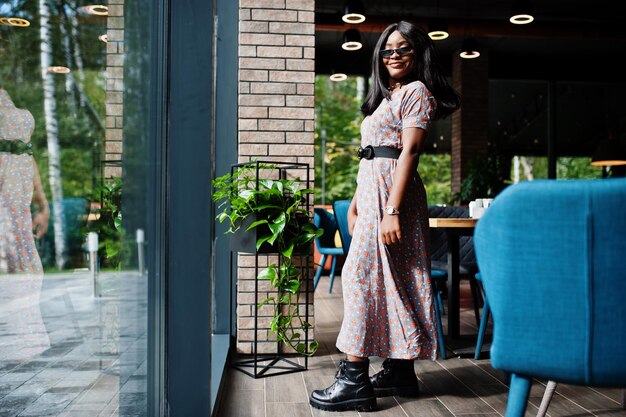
x=387 y=365
x=340 y=370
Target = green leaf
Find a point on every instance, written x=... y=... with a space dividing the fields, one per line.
x=255 y=224
x=274 y=323
x=268 y=273
x=293 y=285
x=278 y=224
x=264 y=302
x=262 y=240
x=301 y=348
x=287 y=252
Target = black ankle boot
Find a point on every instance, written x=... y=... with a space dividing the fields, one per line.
x=396 y=378
x=352 y=389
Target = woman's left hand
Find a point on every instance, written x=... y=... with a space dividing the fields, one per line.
x=390 y=229
x=40 y=224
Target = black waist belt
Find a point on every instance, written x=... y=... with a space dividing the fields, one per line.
x=371 y=152
x=17 y=147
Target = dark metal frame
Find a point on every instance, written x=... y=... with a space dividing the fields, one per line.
x=254 y=361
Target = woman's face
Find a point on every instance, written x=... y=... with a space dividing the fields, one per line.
x=398 y=64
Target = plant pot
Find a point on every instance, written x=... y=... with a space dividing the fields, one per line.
x=244 y=240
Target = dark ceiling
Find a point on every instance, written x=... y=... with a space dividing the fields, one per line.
x=569 y=39
x=578 y=44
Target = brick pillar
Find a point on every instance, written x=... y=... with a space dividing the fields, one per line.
x=114 y=88
x=470 y=122
x=276 y=120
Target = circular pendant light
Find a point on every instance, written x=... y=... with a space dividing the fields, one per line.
x=353 y=12
x=14 y=21
x=469 y=49
x=351 y=40
x=438 y=29
x=521 y=12
x=338 y=76
x=96 y=9
x=609 y=153
x=58 y=69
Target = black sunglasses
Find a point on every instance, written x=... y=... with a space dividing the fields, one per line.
x=386 y=53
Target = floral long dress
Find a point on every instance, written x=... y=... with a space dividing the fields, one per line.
x=21 y=273
x=17 y=245
x=18 y=252
x=388 y=297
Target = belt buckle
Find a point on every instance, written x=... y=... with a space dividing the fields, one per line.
x=367 y=152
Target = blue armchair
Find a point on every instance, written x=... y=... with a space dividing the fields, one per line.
x=326 y=244
x=551 y=256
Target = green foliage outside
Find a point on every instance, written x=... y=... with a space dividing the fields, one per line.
x=568 y=167
x=80 y=123
x=108 y=224
x=434 y=169
x=338 y=120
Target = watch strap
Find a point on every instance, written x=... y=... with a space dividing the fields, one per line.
x=391 y=210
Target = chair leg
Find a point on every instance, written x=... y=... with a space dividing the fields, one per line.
x=440 y=339
x=439 y=300
x=477 y=298
x=481 y=331
x=547 y=397
x=318 y=274
x=518 y=395
x=332 y=272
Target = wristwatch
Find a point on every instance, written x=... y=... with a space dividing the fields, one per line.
x=391 y=210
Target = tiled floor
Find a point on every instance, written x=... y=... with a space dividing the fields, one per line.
x=66 y=353
x=451 y=387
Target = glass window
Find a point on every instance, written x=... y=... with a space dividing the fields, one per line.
x=74 y=224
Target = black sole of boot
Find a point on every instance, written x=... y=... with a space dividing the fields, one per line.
x=368 y=404
x=406 y=392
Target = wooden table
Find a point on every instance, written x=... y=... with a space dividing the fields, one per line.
x=455 y=228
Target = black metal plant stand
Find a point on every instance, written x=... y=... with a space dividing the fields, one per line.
x=259 y=365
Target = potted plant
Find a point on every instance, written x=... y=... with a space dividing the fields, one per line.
x=257 y=201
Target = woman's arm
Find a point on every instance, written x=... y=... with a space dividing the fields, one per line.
x=42 y=216
x=413 y=140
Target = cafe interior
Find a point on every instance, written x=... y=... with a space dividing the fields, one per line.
x=530 y=283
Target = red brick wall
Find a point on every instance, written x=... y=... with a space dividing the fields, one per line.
x=276 y=119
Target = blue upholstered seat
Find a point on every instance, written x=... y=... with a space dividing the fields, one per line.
x=340 y=208
x=551 y=256
x=326 y=244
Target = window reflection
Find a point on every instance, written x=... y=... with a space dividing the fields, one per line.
x=73 y=311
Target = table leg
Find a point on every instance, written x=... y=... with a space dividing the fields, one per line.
x=453 y=286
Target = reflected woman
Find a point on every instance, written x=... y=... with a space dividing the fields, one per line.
x=20 y=184
x=21 y=272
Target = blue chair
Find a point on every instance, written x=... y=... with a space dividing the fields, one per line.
x=551 y=254
x=326 y=244
x=340 y=208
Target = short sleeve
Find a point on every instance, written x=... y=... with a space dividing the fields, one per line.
x=417 y=106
